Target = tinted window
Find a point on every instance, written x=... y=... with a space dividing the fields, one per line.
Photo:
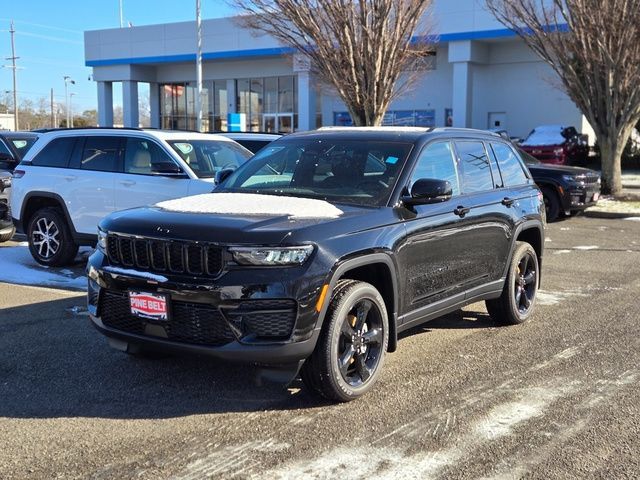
x=6 y=164
x=140 y=154
x=509 y=163
x=344 y=171
x=56 y=153
x=22 y=145
x=253 y=145
x=437 y=161
x=474 y=167
x=101 y=154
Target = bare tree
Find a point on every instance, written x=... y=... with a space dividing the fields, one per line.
x=368 y=50
x=594 y=47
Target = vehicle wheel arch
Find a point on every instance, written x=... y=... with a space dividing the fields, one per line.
x=34 y=201
x=531 y=232
x=379 y=270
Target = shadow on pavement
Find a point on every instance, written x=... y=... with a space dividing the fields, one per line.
x=459 y=319
x=53 y=363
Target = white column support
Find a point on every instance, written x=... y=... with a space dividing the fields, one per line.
x=154 y=105
x=306 y=102
x=462 y=94
x=464 y=55
x=130 y=104
x=105 y=104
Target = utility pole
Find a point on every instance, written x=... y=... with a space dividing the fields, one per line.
x=71 y=107
x=67 y=81
x=53 y=119
x=198 y=69
x=13 y=59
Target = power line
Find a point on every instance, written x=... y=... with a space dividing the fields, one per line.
x=41 y=25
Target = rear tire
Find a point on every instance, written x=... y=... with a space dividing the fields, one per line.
x=517 y=301
x=50 y=239
x=350 y=352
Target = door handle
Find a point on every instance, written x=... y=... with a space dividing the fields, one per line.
x=507 y=202
x=461 y=211
x=127 y=183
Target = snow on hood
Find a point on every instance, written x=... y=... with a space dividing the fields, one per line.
x=544 y=136
x=252 y=204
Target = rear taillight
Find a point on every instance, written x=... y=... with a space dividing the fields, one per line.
x=18 y=173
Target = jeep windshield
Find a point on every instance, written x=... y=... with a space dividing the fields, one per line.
x=207 y=157
x=342 y=171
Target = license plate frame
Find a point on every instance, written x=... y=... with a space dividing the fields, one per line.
x=149 y=305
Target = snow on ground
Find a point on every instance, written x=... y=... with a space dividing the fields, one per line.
x=18 y=266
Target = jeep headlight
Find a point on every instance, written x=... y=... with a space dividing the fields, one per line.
x=271 y=256
x=102 y=240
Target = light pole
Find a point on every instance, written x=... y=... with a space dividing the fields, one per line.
x=67 y=81
x=71 y=107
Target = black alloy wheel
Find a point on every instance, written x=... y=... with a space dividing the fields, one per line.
x=551 y=203
x=526 y=281
x=517 y=301
x=360 y=343
x=351 y=348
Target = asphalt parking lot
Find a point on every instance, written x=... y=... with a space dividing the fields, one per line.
x=461 y=398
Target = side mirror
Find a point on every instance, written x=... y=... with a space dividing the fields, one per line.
x=428 y=190
x=169 y=169
x=222 y=175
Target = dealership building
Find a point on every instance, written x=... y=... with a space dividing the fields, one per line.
x=483 y=76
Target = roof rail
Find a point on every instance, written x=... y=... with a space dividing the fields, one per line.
x=46 y=130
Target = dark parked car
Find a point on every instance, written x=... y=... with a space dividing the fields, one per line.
x=557 y=144
x=6 y=223
x=566 y=189
x=314 y=256
x=252 y=141
x=13 y=146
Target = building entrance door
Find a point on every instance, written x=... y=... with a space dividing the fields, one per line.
x=277 y=122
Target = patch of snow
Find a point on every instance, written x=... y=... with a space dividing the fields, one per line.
x=545 y=135
x=252 y=204
x=136 y=273
x=633 y=219
x=18 y=266
x=586 y=247
x=560 y=252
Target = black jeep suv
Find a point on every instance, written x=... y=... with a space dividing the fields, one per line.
x=313 y=256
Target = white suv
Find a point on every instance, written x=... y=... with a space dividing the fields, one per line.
x=71 y=179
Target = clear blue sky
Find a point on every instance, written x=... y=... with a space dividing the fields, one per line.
x=49 y=39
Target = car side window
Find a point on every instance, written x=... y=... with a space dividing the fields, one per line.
x=475 y=170
x=140 y=154
x=510 y=165
x=101 y=154
x=437 y=161
x=56 y=153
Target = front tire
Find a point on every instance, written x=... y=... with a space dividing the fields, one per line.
x=517 y=302
x=50 y=240
x=350 y=351
x=551 y=203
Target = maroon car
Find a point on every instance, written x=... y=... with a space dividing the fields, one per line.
x=557 y=144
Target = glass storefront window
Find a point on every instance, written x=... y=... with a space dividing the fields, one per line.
x=258 y=98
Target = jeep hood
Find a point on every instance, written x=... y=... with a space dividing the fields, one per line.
x=249 y=219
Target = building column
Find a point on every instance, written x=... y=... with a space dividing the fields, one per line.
x=131 y=117
x=462 y=102
x=306 y=102
x=105 y=104
x=464 y=55
x=154 y=104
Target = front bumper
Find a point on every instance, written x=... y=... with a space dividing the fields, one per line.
x=261 y=316
x=581 y=197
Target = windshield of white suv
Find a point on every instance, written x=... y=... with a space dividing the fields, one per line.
x=343 y=171
x=206 y=157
